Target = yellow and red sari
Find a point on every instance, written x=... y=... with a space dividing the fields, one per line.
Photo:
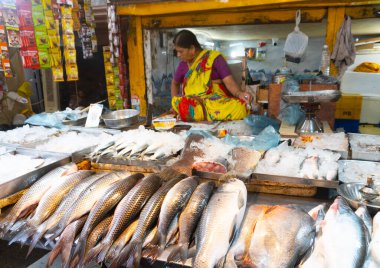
x=203 y=99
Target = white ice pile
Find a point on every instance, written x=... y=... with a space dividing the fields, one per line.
x=72 y=141
x=296 y=162
x=329 y=141
x=359 y=171
x=12 y=166
x=365 y=143
x=213 y=149
x=26 y=134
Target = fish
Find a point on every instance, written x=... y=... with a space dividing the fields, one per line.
x=66 y=241
x=94 y=237
x=363 y=213
x=240 y=248
x=318 y=214
x=70 y=198
x=174 y=201
x=126 y=211
x=31 y=198
x=189 y=154
x=108 y=201
x=281 y=237
x=219 y=223
x=87 y=200
x=373 y=255
x=189 y=219
x=49 y=202
x=333 y=247
x=244 y=161
x=148 y=217
x=121 y=241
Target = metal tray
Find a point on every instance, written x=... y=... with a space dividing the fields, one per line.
x=319 y=96
x=274 y=178
x=21 y=182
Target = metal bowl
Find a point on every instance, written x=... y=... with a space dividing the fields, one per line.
x=121 y=118
x=350 y=192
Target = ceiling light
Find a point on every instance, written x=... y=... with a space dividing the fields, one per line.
x=210 y=44
x=376 y=13
x=236 y=44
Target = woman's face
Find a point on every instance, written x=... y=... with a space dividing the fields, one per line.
x=185 y=54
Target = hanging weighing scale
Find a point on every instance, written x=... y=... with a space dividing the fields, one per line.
x=310 y=102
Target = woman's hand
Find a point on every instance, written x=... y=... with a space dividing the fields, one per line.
x=245 y=96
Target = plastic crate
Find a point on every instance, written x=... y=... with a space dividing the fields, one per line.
x=348 y=125
x=349 y=106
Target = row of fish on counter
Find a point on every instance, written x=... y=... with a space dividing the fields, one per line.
x=117 y=218
x=141 y=144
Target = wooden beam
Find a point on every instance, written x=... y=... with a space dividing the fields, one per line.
x=162 y=8
x=236 y=18
x=335 y=17
x=363 y=12
x=136 y=62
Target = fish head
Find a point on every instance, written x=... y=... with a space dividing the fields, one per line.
x=338 y=207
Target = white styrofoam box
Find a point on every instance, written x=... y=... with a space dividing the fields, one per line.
x=365 y=146
x=366 y=84
x=370 y=112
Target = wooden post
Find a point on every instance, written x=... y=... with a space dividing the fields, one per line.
x=136 y=62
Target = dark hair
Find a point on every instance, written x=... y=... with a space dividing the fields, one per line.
x=186 y=39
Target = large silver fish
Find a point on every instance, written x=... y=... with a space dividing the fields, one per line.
x=148 y=217
x=108 y=201
x=66 y=203
x=49 y=202
x=281 y=237
x=189 y=219
x=126 y=211
x=342 y=240
x=87 y=200
x=220 y=221
x=174 y=201
x=30 y=199
x=373 y=256
x=240 y=248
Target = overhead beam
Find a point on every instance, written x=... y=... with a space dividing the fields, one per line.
x=236 y=18
x=163 y=8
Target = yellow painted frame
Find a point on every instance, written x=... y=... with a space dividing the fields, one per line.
x=233 y=12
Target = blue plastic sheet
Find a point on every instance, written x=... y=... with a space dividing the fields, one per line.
x=259 y=122
x=47 y=120
x=290 y=113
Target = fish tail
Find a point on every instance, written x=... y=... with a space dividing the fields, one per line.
x=93 y=253
x=79 y=250
x=54 y=254
x=152 y=252
x=103 y=253
x=74 y=262
x=24 y=235
x=131 y=255
x=174 y=254
x=184 y=252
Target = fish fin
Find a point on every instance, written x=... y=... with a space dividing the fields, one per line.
x=174 y=255
x=54 y=254
x=230 y=260
x=23 y=236
x=152 y=253
x=220 y=263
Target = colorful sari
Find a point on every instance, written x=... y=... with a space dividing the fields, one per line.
x=204 y=100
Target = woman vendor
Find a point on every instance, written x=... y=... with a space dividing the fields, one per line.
x=209 y=90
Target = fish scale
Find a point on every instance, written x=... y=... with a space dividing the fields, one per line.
x=87 y=200
x=222 y=216
x=148 y=216
x=66 y=241
x=51 y=199
x=94 y=237
x=34 y=195
x=103 y=206
x=125 y=212
x=174 y=201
